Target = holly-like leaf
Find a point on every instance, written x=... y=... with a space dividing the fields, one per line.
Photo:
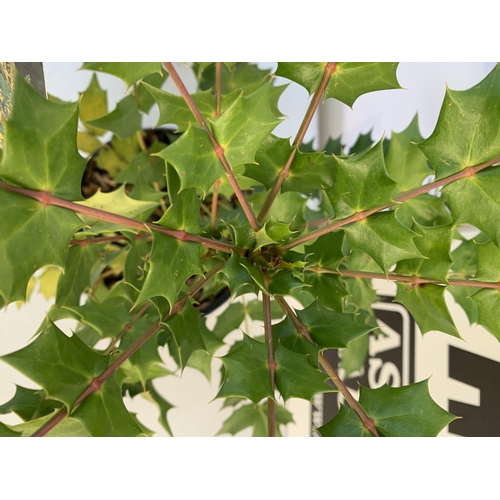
x=331 y=329
x=123 y=121
x=104 y=414
x=247 y=372
x=87 y=143
x=254 y=416
x=68 y=427
x=184 y=213
x=351 y=80
x=29 y=404
x=80 y=261
x=467 y=132
x=173 y=108
x=405 y=162
x=284 y=282
x=346 y=423
x=63 y=366
x=147 y=356
x=146 y=100
x=238 y=278
x=129 y=72
x=93 y=104
x=40 y=150
x=425 y=209
x=166 y=276
x=6 y=431
x=464 y=260
x=463 y=296
x=435 y=247
x=383 y=238
x=309 y=171
x=488 y=263
x=33 y=236
x=480 y=190
x=200 y=168
x=360 y=182
x=243 y=127
x=187 y=330
x=116 y=159
x=296 y=378
x=348 y=81
x=326 y=251
x=327 y=289
x=286 y=333
x=427 y=305
x=396 y=411
x=353 y=357
x=487 y=301
x=116 y=202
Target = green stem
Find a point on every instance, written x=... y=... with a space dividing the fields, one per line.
x=96 y=384
x=285 y=171
x=271 y=409
x=303 y=330
x=47 y=199
x=414 y=280
x=219 y=150
x=359 y=216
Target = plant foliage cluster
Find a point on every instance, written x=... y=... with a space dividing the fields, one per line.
x=164 y=222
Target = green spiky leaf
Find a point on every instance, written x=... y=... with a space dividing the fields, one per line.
x=200 y=168
x=173 y=108
x=435 y=247
x=427 y=305
x=40 y=150
x=33 y=236
x=384 y=238
x=247 y=372
x=93 y=104
x=480 y=190
x=396 y=411
x=467 y=132
x=487 y=301
x=187 y=330
x=243 y=127
x=129 y=72
x=405 y=162
x=331 y=329
x=254 y=416
x=296 y=378
x=309 y=171
x=167 y=276
x=104 y=414
x=488 y=263
x=116 y=202
x=63 y=366
x=348 y=81
x=360 y=182
x=123 y=121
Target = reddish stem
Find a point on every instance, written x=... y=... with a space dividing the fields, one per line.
x=47 y=199
x=97 y=383
x=359 y=216
x=219 y=150
x=303 y=330
x=285 y=171
x=414 y=280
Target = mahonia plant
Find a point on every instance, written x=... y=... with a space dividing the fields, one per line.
x=137 y=242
